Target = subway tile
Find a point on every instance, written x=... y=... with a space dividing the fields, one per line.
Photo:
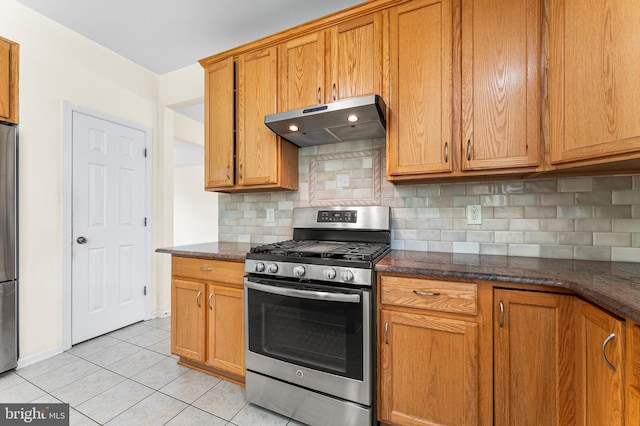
x=427 y=213
x=626 y=197
x=524 y=224
x=405 y=234
x=584 y=184
x=494 y=225
x=612 y=183
x=541 y=238
x=480 y=236
x=556 y=251
x=636 y=182
x=494 y=200
x=508 y=212
x=612 y=239
x=512 y=187
x=575 y=212
x=416 y=245
x=625 y=225
x=428 y=190
x=456 y=212
x=635 y=212
x=625 y=254
x=524 y=199
x=539 y=186
x=592 y=253
x=595 y=225
x=612 y=212
x=527 y=250
x=593 y=198
x=440 y=202
x=566 y=225
x=509 y=237
x=540 y=212
x=480 y=188
x=447 y=235
x=453 y=189
x=440 y=223
x=494 y=249
x=428 y=234
x=557 y=199
x=461 y=224
x=635 y=240
x=465 y=200
x=575 y=238
x=397 y=244
x=404 y=191
x=441 y=246
x=466 y=247
x=416 y=202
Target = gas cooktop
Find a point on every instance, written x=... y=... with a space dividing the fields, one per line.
x=354 y=251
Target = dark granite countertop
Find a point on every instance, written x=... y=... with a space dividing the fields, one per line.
x=615 y=286
x=216 y=251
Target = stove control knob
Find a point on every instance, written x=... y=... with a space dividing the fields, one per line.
x=347 y=276
x=259 y=267
x=272 y=268
x=330 y=273
x=298 y=270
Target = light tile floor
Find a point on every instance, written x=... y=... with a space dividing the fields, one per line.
x=129 y=377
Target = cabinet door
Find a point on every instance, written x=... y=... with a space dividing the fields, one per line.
x=601 y=366
x=9 y=61
x=302 y=72
x=419 y=125
x=225 y=329
x=501 y=42
x=187 y=319
x=219 y=147
x=356 y=58
x=258 y=146
x=594 y=85
x=429 y=370
x=534 y=359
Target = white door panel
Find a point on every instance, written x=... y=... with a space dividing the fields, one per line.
x=108 y=211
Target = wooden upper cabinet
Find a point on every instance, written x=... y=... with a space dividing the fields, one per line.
x=9 y=64
x=324 y=66
x=302 y=72
x=419 y=123
x=594 y=79
x=219 y=149
x=356 y=58
x=501 y=86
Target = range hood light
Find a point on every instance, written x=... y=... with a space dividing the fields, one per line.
x=352 y=118
x=293 y=128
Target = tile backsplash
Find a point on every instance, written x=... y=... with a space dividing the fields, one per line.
x=594 y=218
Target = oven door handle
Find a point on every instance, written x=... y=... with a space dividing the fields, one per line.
x=304 y=294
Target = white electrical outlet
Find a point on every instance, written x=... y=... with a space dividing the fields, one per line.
x=271 y=216
x=474 y=214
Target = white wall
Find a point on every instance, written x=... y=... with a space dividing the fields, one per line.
x=56 y=65
x=195 y=212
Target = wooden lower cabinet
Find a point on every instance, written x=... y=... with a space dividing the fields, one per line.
x=429 y=370
x=207 y=316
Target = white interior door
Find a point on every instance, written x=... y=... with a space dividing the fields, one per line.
x=108 y=288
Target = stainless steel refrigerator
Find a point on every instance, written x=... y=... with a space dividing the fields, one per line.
x=8 y=247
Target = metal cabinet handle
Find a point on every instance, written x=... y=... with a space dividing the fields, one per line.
x=604 y=356
x=426 y=293
x=202 y=268
x=240 y=171
x=198 y=299
x=209 y=301
x=501 y=306
x=319 y=98
x=334 y=92
x=469 y=150
x=446 y=152
x=228 y=177
x=386 y=332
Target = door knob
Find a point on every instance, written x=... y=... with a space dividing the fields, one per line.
x=81 y=240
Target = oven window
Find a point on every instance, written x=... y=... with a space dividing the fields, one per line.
x=323 y=335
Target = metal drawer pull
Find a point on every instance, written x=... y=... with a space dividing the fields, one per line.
x=386 y=332
x=604 y=346
x=209 y=302
x=446 y=152
x=202 y=268
x=501 y=305
x=319 y=97
x=469 y=150
x=198 y=299
x=426 y=293
x=304 y=294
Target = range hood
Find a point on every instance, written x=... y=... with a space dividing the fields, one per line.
x=351 y=119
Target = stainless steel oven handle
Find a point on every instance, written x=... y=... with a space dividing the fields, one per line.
x=304 y=294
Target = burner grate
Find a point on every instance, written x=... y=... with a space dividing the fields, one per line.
x=353 y=251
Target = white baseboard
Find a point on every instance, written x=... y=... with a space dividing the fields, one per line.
x=25 y=362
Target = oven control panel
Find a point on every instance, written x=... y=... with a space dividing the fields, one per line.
x=344 y=216
x=337 y=274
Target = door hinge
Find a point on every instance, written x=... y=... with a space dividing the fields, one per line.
x=145 y=153
x=145 y=221
x=145 y=290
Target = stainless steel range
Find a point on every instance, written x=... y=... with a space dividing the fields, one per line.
x=310 y=316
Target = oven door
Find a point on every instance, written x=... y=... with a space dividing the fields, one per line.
x=317 y=337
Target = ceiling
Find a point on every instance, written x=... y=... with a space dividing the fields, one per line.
x=166 y=35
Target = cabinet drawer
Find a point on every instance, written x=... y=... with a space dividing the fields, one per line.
x=207 y=269
x=442 y=296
